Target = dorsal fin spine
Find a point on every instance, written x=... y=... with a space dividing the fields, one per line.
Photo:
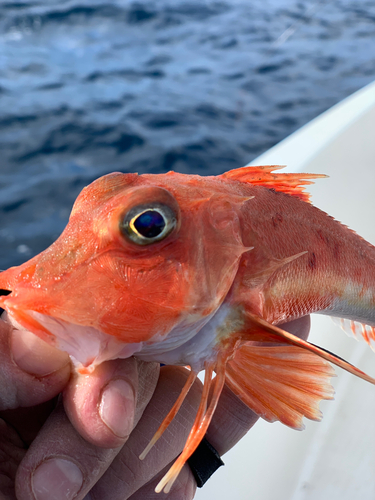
x=289 y=183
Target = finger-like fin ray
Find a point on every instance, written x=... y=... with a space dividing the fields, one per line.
x=201 y=423
x=172 y=413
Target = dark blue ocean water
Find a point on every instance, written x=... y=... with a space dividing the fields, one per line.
x=88 y=87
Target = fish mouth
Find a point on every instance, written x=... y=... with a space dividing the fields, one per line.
x=4 y=293
x=86 y=345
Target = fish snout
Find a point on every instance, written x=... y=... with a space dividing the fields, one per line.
x=14 y=276
x=20 y=293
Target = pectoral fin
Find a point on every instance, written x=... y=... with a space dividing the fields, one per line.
x=261 y=331
x=282 y=383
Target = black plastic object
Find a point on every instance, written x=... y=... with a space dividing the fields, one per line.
x=204 y=462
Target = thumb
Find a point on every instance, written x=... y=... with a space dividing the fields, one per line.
x=24 y=360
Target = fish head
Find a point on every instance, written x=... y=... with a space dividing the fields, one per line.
x=140 y=255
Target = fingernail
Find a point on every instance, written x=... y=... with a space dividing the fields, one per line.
x=56 y=479
x=35 y=356
x=117 y=407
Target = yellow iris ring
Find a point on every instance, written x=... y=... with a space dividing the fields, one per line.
x=132 y=223
x=168 y=217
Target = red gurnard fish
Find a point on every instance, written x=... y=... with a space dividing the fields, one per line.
x=198 y=271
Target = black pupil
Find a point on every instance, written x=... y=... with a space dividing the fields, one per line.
x=149 y=224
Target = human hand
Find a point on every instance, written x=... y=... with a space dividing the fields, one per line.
x=101 y=466
x=34 y=427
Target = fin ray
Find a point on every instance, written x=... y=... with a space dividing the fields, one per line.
x=357 y=330
x=259 y=277
x=260 y=330
x=282 y=383
x=290 y=183
x=202 y=421
x=171 y=414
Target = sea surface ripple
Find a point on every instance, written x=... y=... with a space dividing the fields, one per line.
x=89 y=87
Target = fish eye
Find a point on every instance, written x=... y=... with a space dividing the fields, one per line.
x=146 y=224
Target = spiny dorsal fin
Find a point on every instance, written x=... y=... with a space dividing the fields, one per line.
x=264 y=176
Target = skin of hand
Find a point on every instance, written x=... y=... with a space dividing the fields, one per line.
x=64 y=435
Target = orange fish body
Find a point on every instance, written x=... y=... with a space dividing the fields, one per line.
x=197 y=271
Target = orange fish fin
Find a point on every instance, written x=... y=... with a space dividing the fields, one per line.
x=282 y=383
x=285 y=182
x=357 y=330
x=203 y=418
x=260 y=330
x=171 y=414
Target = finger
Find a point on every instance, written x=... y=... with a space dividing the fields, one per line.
x=31 y=371
x=60 y=463
x=28 y=421
x=184 y=487
x=128 y=473
x=105 y=405
x=11 y=453
x=231 y=421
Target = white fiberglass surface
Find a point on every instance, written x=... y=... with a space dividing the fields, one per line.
x=332 y=459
